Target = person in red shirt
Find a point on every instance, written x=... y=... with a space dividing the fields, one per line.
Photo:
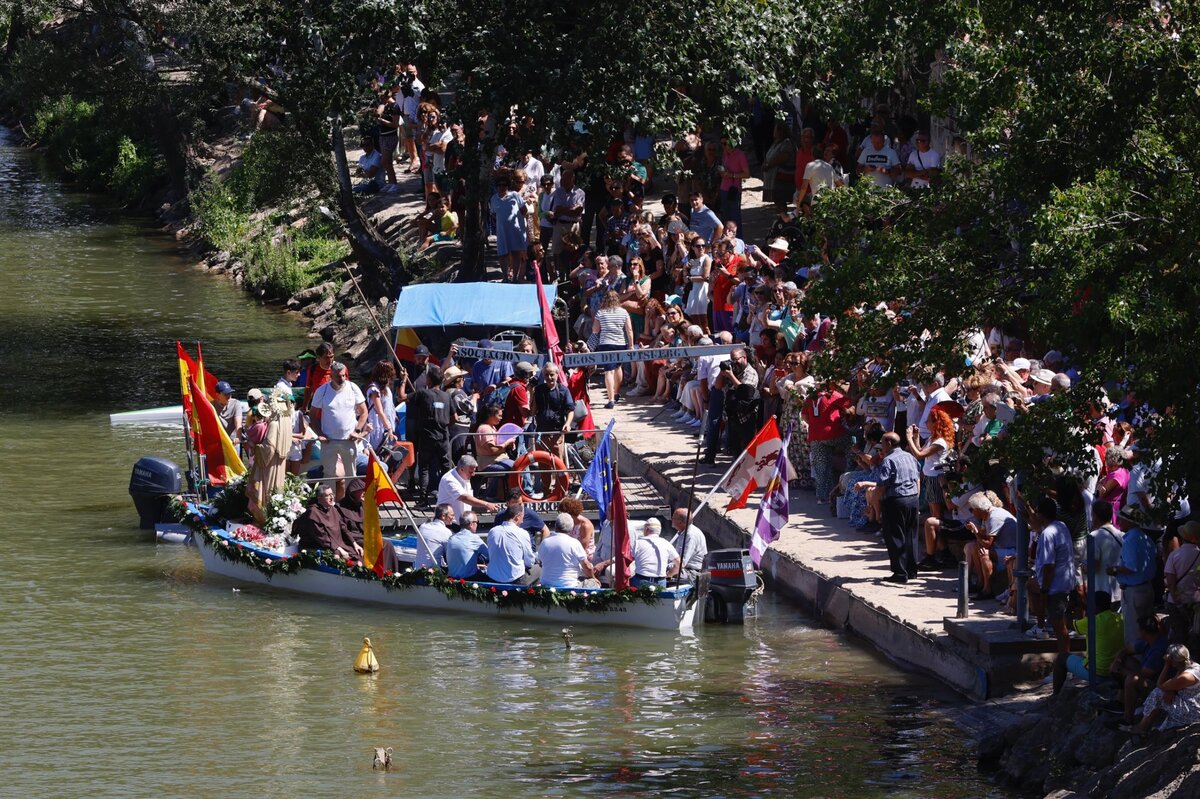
x=724 y=279
x=823 y=410
x=516 y=405
x=318 y=373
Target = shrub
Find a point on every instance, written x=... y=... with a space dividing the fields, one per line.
x=219 y=216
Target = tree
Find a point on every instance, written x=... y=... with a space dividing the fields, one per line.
x=604 y=65
x=1076 y=219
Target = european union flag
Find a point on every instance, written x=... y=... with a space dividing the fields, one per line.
x=597 y=481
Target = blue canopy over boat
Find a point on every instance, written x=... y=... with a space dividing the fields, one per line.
x=447 y=304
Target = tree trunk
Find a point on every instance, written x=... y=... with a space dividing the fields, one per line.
x=16 y=30
x=380 y=269
x=474 y=228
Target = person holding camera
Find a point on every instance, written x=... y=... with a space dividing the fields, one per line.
x=737 y=381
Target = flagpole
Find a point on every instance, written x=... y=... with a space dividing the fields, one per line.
x=724 y=477
x=692 y=494
x=730 y=470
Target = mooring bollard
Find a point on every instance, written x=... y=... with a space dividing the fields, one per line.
x=963 y=588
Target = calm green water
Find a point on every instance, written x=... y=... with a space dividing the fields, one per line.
x=124 y=673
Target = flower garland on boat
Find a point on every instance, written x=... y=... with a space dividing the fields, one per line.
x=535 y=596
x=286 y=505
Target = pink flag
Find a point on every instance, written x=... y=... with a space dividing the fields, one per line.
x=548 y=328
x=773 y=510
x=754 y=468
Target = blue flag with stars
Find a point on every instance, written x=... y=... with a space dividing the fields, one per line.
x=597 y=481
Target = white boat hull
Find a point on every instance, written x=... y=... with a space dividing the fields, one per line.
x=669 y=613
x=171 y=414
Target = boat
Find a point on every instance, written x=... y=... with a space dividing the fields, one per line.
x=170 y=414
x=321 y=574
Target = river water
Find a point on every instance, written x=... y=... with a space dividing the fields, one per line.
x=125 y=673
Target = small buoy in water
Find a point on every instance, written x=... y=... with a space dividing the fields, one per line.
x=568 y=636
x=366 y=663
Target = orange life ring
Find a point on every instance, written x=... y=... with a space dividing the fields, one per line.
x=547 y=461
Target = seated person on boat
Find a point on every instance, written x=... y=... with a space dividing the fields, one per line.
x=563 y=557
x=466 y=552
x=455 y=489
x=531 y=522
x=654 y=560
x=690 y=546
x=432 y=537
x=510 y=553
x=323 y=526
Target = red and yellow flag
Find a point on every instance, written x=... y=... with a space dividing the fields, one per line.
x=407 y=342
x=379 y=490
x=195 y=369
x=222 y=458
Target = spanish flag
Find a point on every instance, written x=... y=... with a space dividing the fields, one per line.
x=407 y=342
x=189 y=407
x=222 y=458
x=196 y=369
x=379 y=490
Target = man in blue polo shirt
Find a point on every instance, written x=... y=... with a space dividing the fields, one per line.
x=704 y=222
x=1054 y=577
x=900 y=478
x=1135 y=572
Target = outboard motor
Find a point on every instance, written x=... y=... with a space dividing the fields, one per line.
x=153 y=482
x=731 y=581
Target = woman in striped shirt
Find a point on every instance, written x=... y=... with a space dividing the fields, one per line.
x=613 y=331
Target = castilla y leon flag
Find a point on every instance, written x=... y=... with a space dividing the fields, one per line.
x=379 y=490
x=756 y=464
x=220 y=454
x=773 y=510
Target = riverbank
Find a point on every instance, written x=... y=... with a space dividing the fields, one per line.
x=1030 y=741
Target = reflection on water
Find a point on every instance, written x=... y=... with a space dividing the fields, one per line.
x=127 y=674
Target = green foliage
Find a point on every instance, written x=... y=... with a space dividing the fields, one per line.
x=277 y=165
x=221 y=219
x=279 y=268
x=1074 y=223
x=83 y=140
x=135 y=174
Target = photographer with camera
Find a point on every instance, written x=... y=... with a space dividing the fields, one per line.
x=737 y=381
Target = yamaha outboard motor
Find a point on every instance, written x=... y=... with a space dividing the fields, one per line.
x=731 y=581
x=153 y=483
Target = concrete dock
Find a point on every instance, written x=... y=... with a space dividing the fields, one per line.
x=833 y=570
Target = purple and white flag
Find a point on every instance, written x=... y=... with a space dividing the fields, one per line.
x=773 y=509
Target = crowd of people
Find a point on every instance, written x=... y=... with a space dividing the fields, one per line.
x=335 y=425
x=886 y=451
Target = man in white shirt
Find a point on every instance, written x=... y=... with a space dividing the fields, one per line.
x=654 y=560
x=339 y=414
x=410 y=91
x=510 y=553
x=454 y=489
x=370 y=165
x=935 y=392
x=818 y=176
x=562 y=556
x=878 y=162
x=534 y=170
x=432 y=537
x=690 y=545
x=923 y=164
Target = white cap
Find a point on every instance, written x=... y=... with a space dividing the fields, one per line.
x=1020 y=363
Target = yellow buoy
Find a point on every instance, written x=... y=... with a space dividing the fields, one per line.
x=366 y=663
